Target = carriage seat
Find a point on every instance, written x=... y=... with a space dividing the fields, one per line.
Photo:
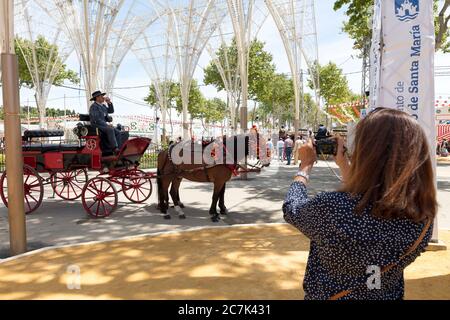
x=49 y=147
x=124 y=135
x=30 y=134
x=86 y=119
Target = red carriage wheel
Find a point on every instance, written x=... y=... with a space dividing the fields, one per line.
x=137 y=187
x=99 y=197
x=33 y=189
x=69 y=185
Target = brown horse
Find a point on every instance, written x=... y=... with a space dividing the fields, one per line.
x=215 y=162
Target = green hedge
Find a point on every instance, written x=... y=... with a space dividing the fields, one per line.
x=2 y=162
x=149 y=161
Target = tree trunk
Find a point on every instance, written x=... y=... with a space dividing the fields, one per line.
x=443 y=25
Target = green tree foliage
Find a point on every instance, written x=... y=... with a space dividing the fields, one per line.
x=152 y=98
x=215 y=110
x=47 y=57
x=359 y=14
x=34 y=113
x=260 y=72
x=333 y=84
x=199 y=107
x=312 y=114
x=278 y=97
x=196 y=100
x=228 y=58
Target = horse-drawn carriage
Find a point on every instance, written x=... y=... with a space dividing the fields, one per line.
x=48 y=160
x=65 y=166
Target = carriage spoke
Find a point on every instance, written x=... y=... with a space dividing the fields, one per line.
x=91 y=205
x=68 y=190
x=33 y=198
x=73 y=189
x=34 y=189
x=137 y=193
x=59 y=183
x=91 y=191
x=109 y=203
x=141 y=192
x=98 y=207
x=76 y=185
x=132 y=194
x=28 y=204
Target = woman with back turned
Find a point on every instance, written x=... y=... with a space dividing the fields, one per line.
x=364 y=235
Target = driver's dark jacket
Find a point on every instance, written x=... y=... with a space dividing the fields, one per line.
x=98 y=114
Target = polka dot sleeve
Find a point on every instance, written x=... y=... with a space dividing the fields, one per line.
x=307 y=215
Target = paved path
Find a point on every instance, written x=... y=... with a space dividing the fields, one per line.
x=257 y=200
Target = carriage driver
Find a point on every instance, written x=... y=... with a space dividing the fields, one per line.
x=98 y=114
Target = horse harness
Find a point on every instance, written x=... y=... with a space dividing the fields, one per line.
x=234 y=168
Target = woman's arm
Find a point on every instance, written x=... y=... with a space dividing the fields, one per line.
x=307 y=215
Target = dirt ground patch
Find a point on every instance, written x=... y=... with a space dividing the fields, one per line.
x=243 y=262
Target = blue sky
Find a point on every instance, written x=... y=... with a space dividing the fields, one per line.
x=334 y=45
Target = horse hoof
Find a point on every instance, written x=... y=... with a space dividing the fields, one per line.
x=215 y=219
x=181 y=205
x=182 y=217
x=167 y=217
x=224 y=212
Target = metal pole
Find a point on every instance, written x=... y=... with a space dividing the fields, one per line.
x=65 y=114
x=28 y=113
x=13 y=143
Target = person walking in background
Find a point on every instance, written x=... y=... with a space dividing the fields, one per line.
x=444 y=148
x=288 y=146
x=280 y=149
x=298 y=143
x=269 y=148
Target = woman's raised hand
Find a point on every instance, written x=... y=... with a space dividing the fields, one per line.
x=341 y=159
x=307 y=154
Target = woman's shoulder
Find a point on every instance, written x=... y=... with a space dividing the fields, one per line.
x=337 y=198
x=366 y=226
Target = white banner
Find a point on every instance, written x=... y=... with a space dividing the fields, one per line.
x=407 y=62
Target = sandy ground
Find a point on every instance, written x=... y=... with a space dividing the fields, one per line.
x=265 y=262
x=242 y=262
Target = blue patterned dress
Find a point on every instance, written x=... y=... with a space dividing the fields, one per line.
x=345 y=246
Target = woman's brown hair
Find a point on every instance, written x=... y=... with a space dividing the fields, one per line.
x=391 y=167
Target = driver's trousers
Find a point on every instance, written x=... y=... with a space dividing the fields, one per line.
x=110 y=137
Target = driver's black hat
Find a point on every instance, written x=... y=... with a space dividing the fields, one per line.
x=97 y=94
